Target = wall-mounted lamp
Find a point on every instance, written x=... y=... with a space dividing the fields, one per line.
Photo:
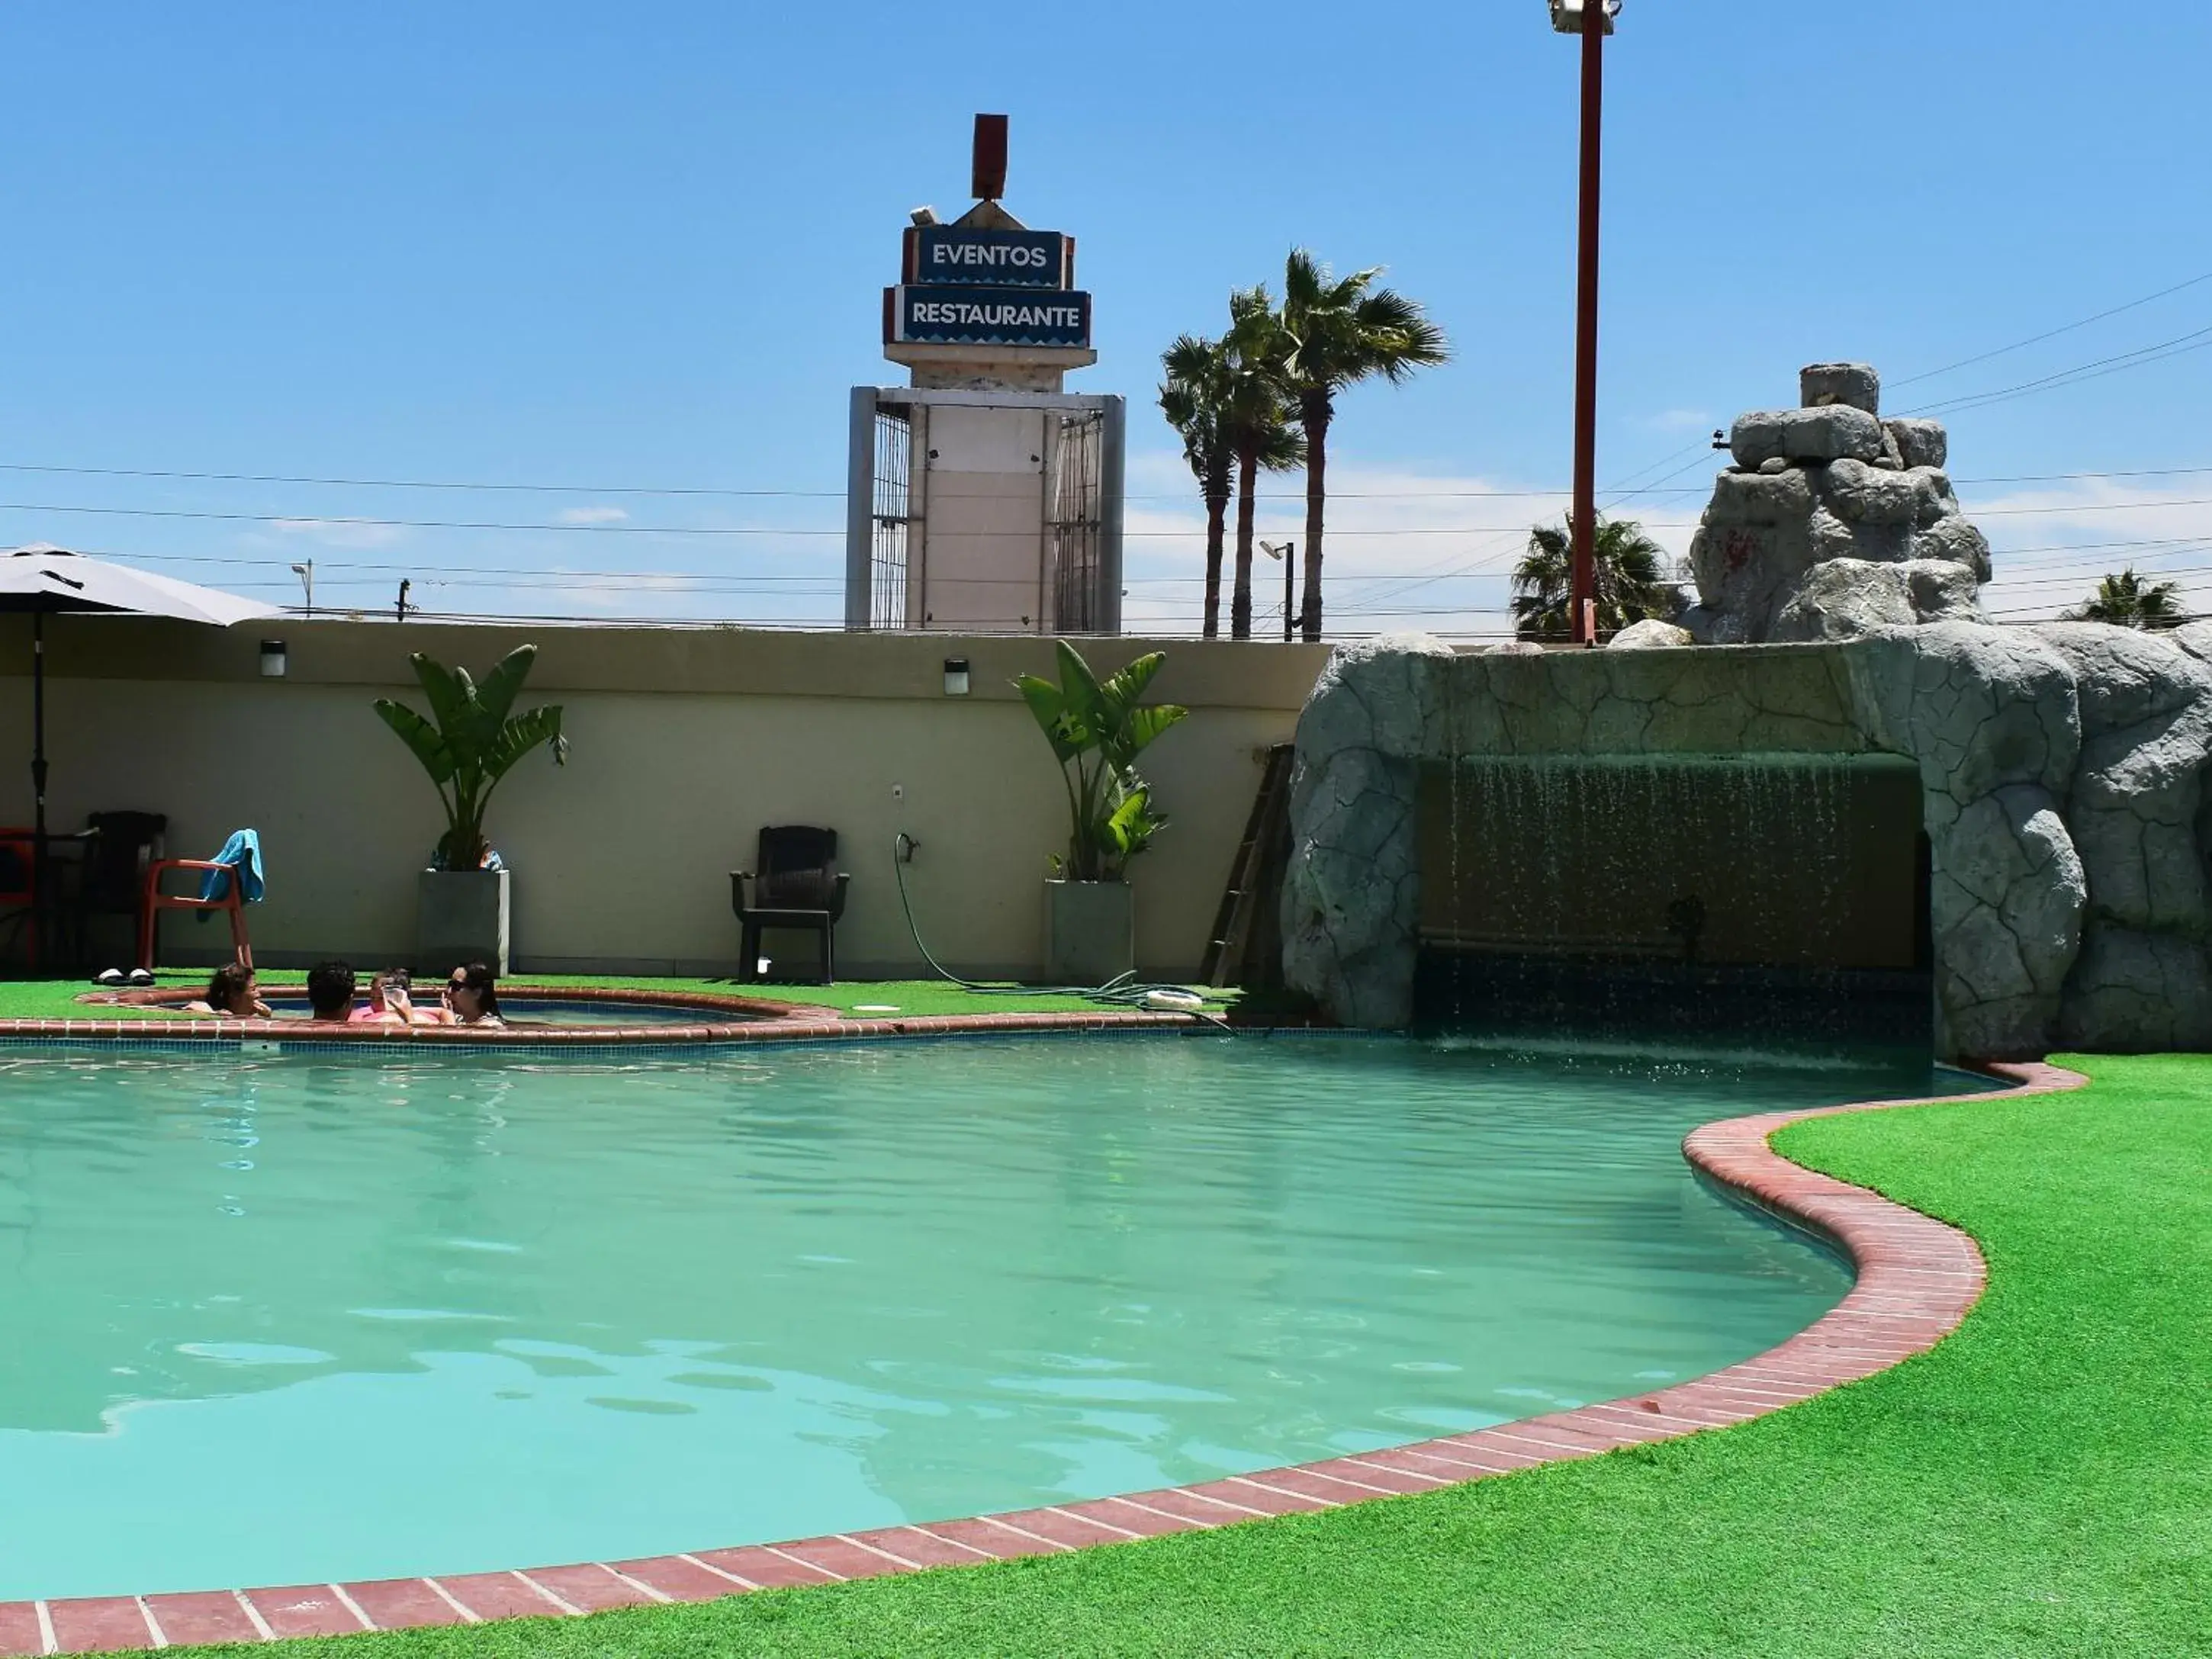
x=272 y=659
x=955 y=677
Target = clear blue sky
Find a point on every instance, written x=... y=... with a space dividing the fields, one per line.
x=558 y=243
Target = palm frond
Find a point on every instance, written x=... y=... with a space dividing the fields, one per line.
x=1630 y=571
x=2126 y=600
x=1344 y=330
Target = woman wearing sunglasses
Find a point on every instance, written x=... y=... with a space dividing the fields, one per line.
x=472 y=995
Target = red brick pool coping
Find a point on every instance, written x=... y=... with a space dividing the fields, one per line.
x=1917 y=1278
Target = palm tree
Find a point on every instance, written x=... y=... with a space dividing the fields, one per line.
x=1341 y=331
x=1195 y=398
x=1259 y=418
x=2128 y=601
x=1630 y=570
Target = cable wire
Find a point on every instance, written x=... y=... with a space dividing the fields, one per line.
x=2052 y=334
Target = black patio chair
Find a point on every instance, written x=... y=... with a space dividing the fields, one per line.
x=797 y=886
x=117 y=848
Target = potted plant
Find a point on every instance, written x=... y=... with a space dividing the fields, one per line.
x=1098 y=728
x=471 y=741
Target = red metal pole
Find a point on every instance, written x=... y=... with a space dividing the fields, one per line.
x=1583 y=620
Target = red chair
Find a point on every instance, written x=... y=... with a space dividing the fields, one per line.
x=232 y=900
x=18 y=863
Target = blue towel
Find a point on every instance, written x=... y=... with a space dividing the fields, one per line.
x=242 y=852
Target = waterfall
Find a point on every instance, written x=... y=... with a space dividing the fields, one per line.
x=1695 y=873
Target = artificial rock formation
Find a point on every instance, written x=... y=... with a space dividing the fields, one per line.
x=1833 y=523
x=2062 y=774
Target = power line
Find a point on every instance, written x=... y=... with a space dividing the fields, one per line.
x=313 y=521
x=2088 y=507
x=1619 y=492
x=2181 y=345
x=1414 y=494
x=310 y=521
x=410 y=483
x=1614 y=497
x=2075 y=578
x=2163 y=548
x=2052 y=334
x=2071 y=477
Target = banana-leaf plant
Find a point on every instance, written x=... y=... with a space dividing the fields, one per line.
x=1098 y=728
x=472 y=740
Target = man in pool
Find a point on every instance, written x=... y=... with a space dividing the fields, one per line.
x=330 y=990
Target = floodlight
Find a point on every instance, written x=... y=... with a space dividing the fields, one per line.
x=1567 y=16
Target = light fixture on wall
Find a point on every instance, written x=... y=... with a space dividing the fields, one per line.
x=273 y=660
x=955 y=677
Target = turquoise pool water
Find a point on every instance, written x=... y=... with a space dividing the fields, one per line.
x=305 y=1316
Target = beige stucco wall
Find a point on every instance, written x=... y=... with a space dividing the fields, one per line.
x=685 y=742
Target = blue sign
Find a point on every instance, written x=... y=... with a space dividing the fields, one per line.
x=989 y=316
x=1014 y=258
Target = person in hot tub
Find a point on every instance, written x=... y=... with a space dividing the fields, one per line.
x=391 y=1002
x=233 y=992
x=473 y=995
x=330 y=987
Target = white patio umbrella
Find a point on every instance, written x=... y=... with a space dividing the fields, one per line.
x=46 y=580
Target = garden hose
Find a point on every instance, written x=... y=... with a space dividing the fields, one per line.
x=1122 y=991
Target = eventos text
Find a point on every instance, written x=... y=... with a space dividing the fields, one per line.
x=987 y=256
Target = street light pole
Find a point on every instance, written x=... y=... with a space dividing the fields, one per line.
x=1597 y=21
x=1288 y=553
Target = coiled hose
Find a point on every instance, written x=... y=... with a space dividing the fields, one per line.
x=1122 y=991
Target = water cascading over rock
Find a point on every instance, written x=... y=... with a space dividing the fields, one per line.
x=2062 y=777
x=1833 y=523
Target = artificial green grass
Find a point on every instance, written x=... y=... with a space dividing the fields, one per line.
x=57 y=999
x=2040 y=1484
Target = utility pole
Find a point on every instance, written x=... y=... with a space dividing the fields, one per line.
x=1596 y=23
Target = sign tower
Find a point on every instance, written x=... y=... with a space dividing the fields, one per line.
x=983 y=497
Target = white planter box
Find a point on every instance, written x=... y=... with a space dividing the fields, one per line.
x=462 y=916
x=1089 y=931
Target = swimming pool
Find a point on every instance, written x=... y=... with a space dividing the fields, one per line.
x=314 y=1316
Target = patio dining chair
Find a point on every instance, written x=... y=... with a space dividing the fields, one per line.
x=117 y=848
x=796 y=885
x=222 y=888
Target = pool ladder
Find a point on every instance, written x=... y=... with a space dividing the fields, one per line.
x=1245 y=946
